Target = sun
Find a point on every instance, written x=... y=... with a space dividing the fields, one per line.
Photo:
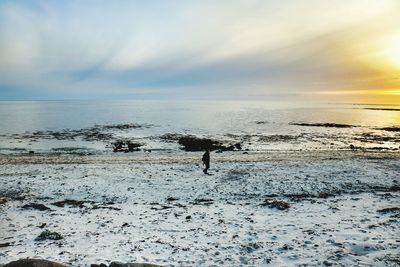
x=393 y=52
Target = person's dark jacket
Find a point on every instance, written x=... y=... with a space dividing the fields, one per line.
x=206 y=158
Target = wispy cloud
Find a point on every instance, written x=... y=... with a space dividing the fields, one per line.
x=110 y=48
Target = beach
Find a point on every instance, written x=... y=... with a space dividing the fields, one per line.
x=199 y=133
x=277 y=208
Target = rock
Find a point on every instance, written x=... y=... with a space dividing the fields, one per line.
x=172 y=199
x=35 y=206
x=327 y=263
x=120 y=264
x=203 y=201
x=34 y=263
x=393 y=212
x=69 y=202
x=238 y=146
x=126 y=146
x=193 y=143
x=3 y=201
x=48 y=235
x=389 y=210
x=390 y=129
x=3 y=245
x=278 y=204
x=328 y=125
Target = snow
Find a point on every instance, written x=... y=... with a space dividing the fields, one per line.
x=130 y=214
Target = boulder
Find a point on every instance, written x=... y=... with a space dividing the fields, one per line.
x=33 y=263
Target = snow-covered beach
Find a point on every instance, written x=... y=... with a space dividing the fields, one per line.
x=277 y=208
x=199 y=133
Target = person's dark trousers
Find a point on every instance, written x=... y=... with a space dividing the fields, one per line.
x=206 y=169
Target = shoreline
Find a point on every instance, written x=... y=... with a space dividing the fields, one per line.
x=194 y=157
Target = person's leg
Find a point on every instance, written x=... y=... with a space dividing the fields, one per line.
x=207 y=167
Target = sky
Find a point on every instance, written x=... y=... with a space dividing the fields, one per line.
x=206 y=49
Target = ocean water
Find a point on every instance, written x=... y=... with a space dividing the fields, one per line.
x=55 y=126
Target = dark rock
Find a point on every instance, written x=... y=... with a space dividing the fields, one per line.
x=3 y=245
x=384 y=109
x=394 y=212
x=126 y=146
x=126 y=126
x=188 y=217
x=376 y=139
x=280 y=138
x=203 y=201
x=192 y=143
x=3 y=201
x=117 y=264
x=48 y=235
x=327 y=263
x=120 y=264
x=162 y=207
x=324 y=195
x=34 y=263
x=95 y=133
x=394 y=188
x=172 y=199
x=390 y=129
x=286 y=247
x=35 y=206
x=238 y=146
x=96 y=207
x=42 y=225
x=69 y=202
x=389 y=210
x=170 y=137
x=278 y=204
x=329 y=125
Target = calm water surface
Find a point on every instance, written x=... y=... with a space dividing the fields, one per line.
x=258 y=125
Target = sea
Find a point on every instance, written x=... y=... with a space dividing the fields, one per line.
x=93 y=126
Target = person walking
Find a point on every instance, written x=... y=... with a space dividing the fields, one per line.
x=206 y=160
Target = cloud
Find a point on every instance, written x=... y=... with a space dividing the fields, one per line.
x=91 y=48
